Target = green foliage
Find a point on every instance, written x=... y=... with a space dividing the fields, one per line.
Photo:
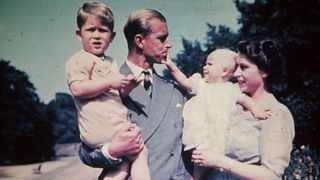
x=24 y=128
x=193 y=57
x=63 y=116
x=304 y=164
x=223 y=37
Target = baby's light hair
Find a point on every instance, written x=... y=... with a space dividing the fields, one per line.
x=226 y=57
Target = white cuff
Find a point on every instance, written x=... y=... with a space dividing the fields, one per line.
x=105 y=152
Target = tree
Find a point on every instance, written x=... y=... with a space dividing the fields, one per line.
x=24 y=128
x=63 y=115
x=193 y=56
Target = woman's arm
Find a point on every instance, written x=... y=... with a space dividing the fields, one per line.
x=244 y=171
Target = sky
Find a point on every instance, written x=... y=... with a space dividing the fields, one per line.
x=38 y=36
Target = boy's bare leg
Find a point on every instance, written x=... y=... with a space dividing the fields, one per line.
x=120 y=173
x=139 y=167
x=199 y=173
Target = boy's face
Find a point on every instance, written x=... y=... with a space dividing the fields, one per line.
x=94 y=36
x=212 y=70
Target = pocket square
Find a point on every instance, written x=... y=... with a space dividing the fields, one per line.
x=178 y=105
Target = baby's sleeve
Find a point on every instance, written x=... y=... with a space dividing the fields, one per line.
x=195 y=81
x=235 y=92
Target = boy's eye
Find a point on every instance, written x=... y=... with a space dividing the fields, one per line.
x=104 y=30
x=91 y=29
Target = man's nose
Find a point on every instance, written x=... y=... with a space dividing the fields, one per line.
x=168 y=43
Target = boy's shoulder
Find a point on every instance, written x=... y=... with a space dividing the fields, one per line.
x=82 y=55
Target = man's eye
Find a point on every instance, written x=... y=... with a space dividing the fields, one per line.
x=163 y=38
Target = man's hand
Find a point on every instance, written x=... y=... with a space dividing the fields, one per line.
x=126 y=142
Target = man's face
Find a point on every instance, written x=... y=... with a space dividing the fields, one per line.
x=157 y=43
x=94 y=36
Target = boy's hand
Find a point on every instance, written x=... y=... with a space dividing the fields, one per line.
x=117 y=80
x=129 y=83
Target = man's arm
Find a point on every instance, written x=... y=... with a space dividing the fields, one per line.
x=126 y=142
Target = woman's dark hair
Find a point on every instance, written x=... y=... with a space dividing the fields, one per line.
x=265 y=53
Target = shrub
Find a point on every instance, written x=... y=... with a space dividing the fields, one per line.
x=304 y=164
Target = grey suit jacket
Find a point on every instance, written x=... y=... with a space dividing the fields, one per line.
x=160 y=119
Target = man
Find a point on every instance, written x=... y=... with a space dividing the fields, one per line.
x=156 y=106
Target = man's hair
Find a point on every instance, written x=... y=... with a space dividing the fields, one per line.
x=138 y=23
x=97 y=9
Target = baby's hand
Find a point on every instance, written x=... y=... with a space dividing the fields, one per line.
x=168 y=62
x=261 y=114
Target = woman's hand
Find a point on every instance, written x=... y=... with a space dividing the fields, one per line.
x=207 y=158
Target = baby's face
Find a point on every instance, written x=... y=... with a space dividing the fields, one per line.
x=95 y=37
x=212 y=70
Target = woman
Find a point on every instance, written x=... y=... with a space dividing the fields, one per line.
x=254 y=149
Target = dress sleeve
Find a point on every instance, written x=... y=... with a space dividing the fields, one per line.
x=195 y=80
x=235 y=92
x=276 y=141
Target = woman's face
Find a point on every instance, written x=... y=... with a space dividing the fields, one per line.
x=249 y=76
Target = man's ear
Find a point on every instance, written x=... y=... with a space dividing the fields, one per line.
x=139 y=40
x=78 y=33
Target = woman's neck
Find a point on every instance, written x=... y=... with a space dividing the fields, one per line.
x=259 y=94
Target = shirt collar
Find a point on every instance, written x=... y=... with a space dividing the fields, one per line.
x=136 y=70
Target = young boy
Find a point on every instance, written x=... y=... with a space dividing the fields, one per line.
x=94 y=81
x=206 y=115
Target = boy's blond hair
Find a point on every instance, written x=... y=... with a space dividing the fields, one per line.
x=97 y=9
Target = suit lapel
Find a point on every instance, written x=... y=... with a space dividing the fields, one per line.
x=161 y=96
x=138 y=95
x=155 y=108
